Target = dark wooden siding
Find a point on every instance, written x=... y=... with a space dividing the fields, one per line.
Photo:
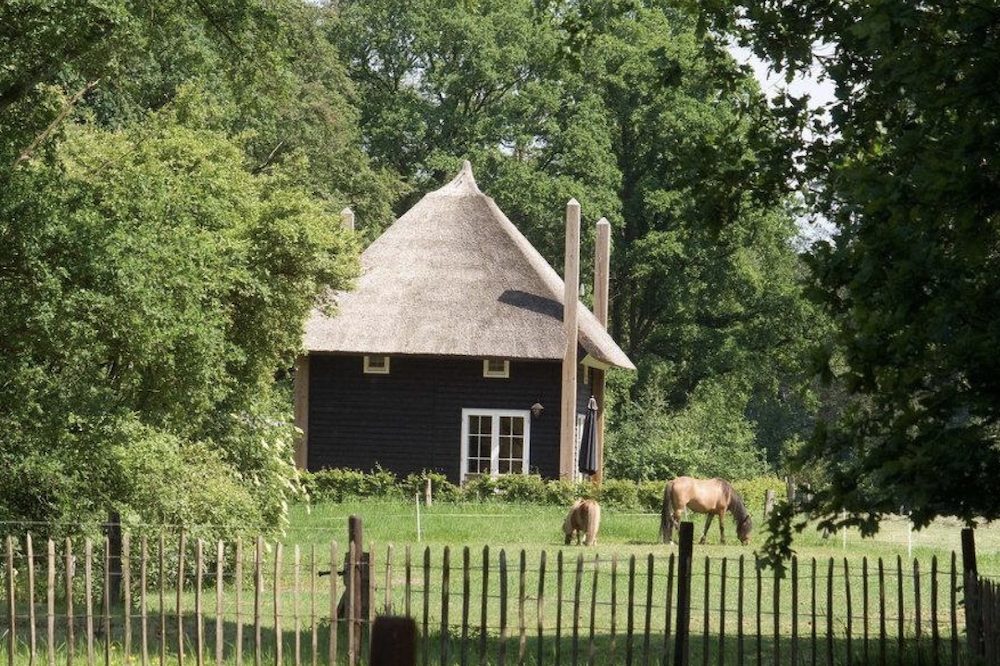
x=411 y=419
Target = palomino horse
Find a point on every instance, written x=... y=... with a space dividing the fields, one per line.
x=712 y=496
x=584 y=518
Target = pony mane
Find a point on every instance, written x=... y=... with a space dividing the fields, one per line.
x=736 y=505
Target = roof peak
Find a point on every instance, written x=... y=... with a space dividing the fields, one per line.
x=463 y=184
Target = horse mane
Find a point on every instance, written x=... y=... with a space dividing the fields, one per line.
x=736 y=505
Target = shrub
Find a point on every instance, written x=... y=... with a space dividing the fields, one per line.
x=480 y=488
x=528 y=488
x=619 y=494
x=337 y=485
x=752 y=491
x=650 y=495
x=442 y=489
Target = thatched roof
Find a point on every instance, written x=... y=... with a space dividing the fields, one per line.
x=453 y=276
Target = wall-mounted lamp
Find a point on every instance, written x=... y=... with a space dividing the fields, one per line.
x=537 y=409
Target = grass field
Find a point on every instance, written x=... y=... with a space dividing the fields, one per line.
x=584 y=597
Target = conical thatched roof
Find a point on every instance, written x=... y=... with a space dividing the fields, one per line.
x=453 y=276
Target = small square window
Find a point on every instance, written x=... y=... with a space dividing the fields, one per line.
x=493 y=367
x=376 y=365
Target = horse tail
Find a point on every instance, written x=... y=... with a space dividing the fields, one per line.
x=593 y=522
x=667 y=514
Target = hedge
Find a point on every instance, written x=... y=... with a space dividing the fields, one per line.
x=338 y=485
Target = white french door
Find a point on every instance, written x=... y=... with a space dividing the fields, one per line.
x=495 y=442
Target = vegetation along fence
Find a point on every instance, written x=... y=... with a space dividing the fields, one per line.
x=173 y=601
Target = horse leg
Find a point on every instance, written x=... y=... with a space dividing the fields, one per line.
x=675 y=523
x=708 y=523
x=722 y=522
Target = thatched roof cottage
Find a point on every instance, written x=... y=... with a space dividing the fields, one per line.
x=452 y=353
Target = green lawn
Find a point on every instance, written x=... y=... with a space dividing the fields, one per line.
x=509 y=531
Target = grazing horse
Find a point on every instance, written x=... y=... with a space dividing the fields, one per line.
x=584 y=518
x=712 y=496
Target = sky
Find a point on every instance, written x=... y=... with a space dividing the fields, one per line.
x=821 y=93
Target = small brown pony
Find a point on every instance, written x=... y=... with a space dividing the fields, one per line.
x=712 y=496
x=584 y=518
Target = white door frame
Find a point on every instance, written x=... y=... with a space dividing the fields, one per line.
x=494 y=438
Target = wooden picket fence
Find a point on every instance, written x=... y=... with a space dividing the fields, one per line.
x=192 y=602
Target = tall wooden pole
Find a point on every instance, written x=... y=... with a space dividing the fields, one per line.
x=347 y=219
x=602 y=269
x=571 y=299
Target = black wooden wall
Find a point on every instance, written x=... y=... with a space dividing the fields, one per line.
x=411 y=419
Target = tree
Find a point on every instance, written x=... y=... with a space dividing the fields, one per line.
x=152 y=285
x=904 y=164
x=622 y=105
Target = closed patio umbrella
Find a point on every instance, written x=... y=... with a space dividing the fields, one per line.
x=588 y=444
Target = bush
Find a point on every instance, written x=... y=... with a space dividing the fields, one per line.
x=752 y=491
x=650 y=495
x=442 y=489
x=619 y=494
x=522 y=488
x=337 y=485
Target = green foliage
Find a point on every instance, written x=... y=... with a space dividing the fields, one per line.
x=709 y=437
x=904 y=165
x=441 y=487
x=153 y=286
x=338 y=485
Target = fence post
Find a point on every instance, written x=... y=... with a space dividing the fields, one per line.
x=684 y=593
x=768 y=502
x=970 y=575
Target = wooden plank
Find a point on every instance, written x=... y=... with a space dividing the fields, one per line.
x=794 y=610
x=32 y=638
x=776 y=606
x=276 y=590
x=502 y=655
x=630 y=613
x=706 y=610
x=70 y=619
x=916 y=608
x=238 y=600
x=935 y=632
x=814 y=647
x=559 y=606
x=722 y=614
x=199 y=634
x=88 y=591
x=668 y=607
x=849 y=612
x=649 y=610
x=466 y=594
x=483 y=606
x=445 y=594
x=591 y=645
x=296 y=595
x=50 y=605
x=953 y=603
x=684 y=593
x=614 y=606
x=220 y=552
x=334 y=598
x=576 y=608
x=829 y=613
x=900 y=610
x=759 y=633
x=258 y=587
x=864 y=615
x=387 y=605
x=351 y=586
x=372 y=577
x=127 y=597
x=740 y=654
x=881 y=612
x=521 y=624
x=408 y=587
x=161 y=553
x=11 y=604
x=427 y=605
x=313 y=619
x=179 y=599
x=540 y=611
x=143 y=600
x=106 y=602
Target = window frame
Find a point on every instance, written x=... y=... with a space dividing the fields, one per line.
x=495 y=415
x=496 y=374
x=375 y=370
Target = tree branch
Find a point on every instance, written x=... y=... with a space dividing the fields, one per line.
x=47 y=132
